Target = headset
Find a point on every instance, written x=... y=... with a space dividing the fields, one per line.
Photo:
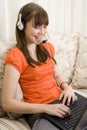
x=20 y=24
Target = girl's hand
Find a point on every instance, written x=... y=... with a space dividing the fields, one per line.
x=68 y=95
x=59 y=110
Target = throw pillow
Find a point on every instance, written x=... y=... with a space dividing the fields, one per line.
x=65 y=54
x=80 y=74
x=2 y=112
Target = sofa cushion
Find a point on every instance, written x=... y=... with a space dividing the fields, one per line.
x=80 y=74
x=65 y=54
x=2 y=112
x=82 y=92
x=8 y=124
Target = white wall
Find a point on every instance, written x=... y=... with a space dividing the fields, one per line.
x=66 y=16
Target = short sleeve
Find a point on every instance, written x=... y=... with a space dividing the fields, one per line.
x=50 y=48
x=16 y=58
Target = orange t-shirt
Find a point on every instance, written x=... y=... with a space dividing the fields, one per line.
x=38 y=84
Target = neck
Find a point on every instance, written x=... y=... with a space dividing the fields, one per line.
x=32 y=48
x=32 y=51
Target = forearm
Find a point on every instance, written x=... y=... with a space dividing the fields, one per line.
x=59 y=79
x=61 y=82
x=21 y=107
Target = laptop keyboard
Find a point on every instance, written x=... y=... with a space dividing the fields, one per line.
x=77 y=110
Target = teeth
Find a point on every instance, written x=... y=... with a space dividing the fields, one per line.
x=38 y=38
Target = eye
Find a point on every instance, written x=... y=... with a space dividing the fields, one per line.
x=39 y=26
x=33 y=25
x=45 y=26
x=36 y=27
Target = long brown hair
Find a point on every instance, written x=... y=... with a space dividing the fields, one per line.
x=40 y=17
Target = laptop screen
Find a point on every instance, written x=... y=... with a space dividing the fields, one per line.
x=82 y=125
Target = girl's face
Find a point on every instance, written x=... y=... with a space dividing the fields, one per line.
x=34 y=34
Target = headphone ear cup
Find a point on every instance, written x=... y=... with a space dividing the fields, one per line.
x=20 y=24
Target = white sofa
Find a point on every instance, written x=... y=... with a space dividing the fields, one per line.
x=71 y=56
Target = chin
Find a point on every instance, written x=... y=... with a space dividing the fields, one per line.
x=37 y=43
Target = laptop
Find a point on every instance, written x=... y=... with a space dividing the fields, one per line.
x=77 y=120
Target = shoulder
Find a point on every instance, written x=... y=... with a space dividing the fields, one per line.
x=15 y=52
x=16 y=58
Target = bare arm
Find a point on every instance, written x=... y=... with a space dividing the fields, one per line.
x=10 y=103
x=68 y=92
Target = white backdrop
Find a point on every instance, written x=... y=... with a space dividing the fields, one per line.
x=66 y=16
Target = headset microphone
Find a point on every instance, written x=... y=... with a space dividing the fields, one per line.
x=44 y=41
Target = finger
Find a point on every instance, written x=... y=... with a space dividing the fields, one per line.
x=59 y=115
x=74 y=98
x=69 y=101
x=63 y=112
x=64 y=99
x=61 y=96
x=66 y=110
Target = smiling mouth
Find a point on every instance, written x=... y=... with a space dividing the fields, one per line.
x=38 y=38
